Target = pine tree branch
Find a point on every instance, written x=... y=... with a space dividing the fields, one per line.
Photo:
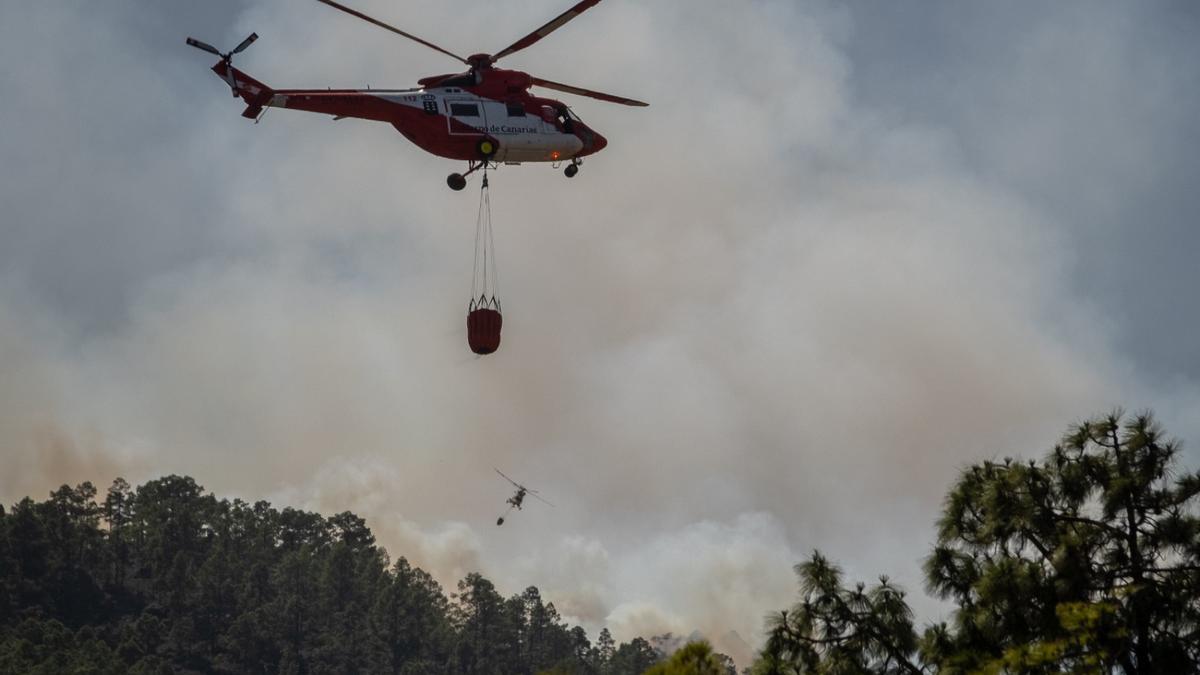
x=1088 y=521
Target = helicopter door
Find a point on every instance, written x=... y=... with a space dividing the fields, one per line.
x=468 y=111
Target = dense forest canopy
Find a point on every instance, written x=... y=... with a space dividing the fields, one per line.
x=167 y=579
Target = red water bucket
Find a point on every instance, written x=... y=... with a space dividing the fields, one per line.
x=483 y=330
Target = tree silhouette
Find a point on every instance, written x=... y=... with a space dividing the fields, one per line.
x=1088 y=561
x=694 y=658
x=634 y=656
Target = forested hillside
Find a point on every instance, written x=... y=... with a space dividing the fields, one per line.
x=167 y=579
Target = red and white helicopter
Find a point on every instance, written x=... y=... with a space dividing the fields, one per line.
x=485 y=115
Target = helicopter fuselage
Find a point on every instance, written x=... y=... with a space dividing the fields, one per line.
x=517 y=498
x=450 y=116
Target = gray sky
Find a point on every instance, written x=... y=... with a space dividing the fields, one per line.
x=848 y=249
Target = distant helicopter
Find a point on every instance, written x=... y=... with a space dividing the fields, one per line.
x=485 y=115
x=515 y=500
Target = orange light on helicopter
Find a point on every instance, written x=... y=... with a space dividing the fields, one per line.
x=554 y=155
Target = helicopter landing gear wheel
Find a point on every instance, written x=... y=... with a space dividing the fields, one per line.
x=458 y=181
x=571 y=170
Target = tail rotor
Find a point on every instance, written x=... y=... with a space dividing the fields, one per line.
x=227 y=57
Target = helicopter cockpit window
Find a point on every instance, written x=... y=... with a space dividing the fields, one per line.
x=567 y=119
x=464 y=110
x=516 y=110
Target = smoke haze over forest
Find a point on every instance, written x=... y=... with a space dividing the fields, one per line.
x=847 y=250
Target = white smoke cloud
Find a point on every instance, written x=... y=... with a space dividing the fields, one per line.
x=369 y=485
x=726 y=572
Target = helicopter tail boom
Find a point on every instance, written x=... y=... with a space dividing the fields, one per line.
x=362 y=104
x=254 y=93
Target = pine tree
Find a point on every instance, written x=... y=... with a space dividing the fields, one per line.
x=694 y=658
x=1087 y=562
x=634 y=657
x=606 y=649
x=1104 y=520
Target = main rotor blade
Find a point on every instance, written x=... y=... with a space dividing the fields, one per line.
x=541 y=498
x=508 y=479
x=245 y=43
x=395 y=30
x=204 y=45
x=547 y=29
x=586 y=92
